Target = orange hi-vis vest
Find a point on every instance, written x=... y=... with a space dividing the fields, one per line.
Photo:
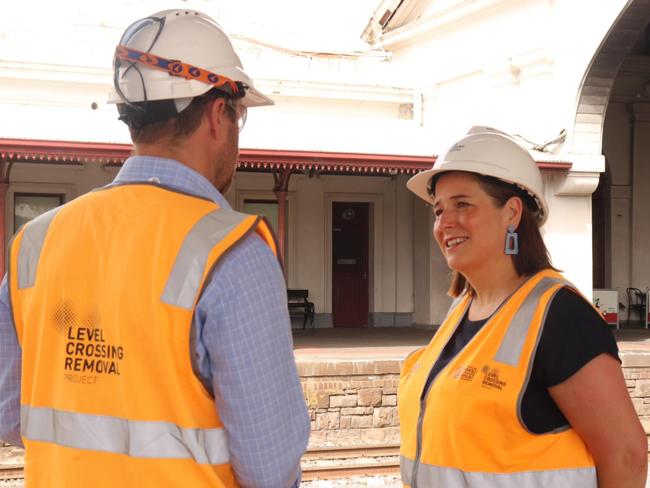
x=466 y=430
x=103 y=292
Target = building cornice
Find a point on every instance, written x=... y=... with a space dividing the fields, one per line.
x=113 y=154
x=66 y=152
x=444 y=17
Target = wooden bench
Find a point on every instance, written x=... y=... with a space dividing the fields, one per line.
x=299 y=305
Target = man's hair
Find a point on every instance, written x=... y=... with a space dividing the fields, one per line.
x=533 y=255
x=175 y=129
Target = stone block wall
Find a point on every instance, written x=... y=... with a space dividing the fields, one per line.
x=351 y=402
x=636 y=371
x=355 y=402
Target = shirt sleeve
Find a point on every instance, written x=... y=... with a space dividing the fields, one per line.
x=244 y=349
x=10 y=371
x=574 y=333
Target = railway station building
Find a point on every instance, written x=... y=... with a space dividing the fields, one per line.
x=328 y=163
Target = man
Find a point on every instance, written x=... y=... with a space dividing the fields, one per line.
x=144 y=332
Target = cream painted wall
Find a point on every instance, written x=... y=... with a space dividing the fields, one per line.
x=617 y=138
x=641 y=198
x=568 y=232
x=404 y=246
x=39 y=102
x=431 y=273
x=309 y=265
x=310 y=233
x=627 y=130
x=422 y=257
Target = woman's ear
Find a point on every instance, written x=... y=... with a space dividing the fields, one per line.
x=513 y=209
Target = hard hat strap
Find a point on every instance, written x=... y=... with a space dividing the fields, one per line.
x=234 y=89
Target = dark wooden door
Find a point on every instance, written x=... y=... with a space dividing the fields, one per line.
x=350 y=264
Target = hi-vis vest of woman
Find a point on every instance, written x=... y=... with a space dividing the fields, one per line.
x=477 y=398
x=159 y=419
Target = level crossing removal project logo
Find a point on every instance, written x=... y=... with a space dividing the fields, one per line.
x=88 y=354
x=491 y=378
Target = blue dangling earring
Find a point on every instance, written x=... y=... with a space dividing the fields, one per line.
x=512 y=241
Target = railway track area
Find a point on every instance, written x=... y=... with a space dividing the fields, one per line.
x=327 y=463
x=11 y=472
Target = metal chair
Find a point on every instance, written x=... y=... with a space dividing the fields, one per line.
x=636 y=303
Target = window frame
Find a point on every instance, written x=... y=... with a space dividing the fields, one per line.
x=61 y=197
x=290 y=236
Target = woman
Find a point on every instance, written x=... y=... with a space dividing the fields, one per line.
x=521 y=385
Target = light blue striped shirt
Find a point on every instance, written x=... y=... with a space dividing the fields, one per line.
x=244 y=348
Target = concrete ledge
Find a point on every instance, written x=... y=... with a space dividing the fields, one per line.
x=635 y=359
x=346 y=367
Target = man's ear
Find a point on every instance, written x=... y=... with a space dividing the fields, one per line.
x=216 y=114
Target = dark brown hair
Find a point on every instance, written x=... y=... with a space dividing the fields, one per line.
x=176 y=128
x=533 y=255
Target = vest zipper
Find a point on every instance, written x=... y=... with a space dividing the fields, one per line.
x=418 y=436
x=418 y=448
x=423 y=401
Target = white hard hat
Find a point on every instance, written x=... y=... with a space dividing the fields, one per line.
x=185 y=39
x=490 y=154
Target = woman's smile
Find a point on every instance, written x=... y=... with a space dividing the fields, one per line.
x=453 y=242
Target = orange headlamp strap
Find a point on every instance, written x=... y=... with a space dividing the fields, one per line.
x=183 y=70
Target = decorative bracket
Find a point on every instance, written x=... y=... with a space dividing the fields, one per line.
x=281 y=179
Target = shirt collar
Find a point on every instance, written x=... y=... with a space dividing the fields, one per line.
x=170 y=173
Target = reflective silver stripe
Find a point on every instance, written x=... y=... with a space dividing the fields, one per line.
x=133 y=438
x=453 y=305
x=30 y=247
x=434 y=476
x=510 y=349
x=185 y=278
x=406 y=469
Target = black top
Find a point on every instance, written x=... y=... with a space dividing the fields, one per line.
x=574 y=333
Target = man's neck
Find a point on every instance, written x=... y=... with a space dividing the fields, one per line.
x=185 y=154
x=157 y=151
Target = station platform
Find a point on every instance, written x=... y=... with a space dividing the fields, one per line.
x=359 y=343
x=365 y=343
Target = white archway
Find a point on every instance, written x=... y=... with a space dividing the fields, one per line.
x=598 y=81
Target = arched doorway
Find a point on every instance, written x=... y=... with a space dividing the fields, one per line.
x=613 y=120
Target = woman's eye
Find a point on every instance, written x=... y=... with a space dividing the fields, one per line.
x=437 y=212
x=462 y=204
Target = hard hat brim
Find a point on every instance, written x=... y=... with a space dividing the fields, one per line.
x=255 y=98
x=419 y=184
